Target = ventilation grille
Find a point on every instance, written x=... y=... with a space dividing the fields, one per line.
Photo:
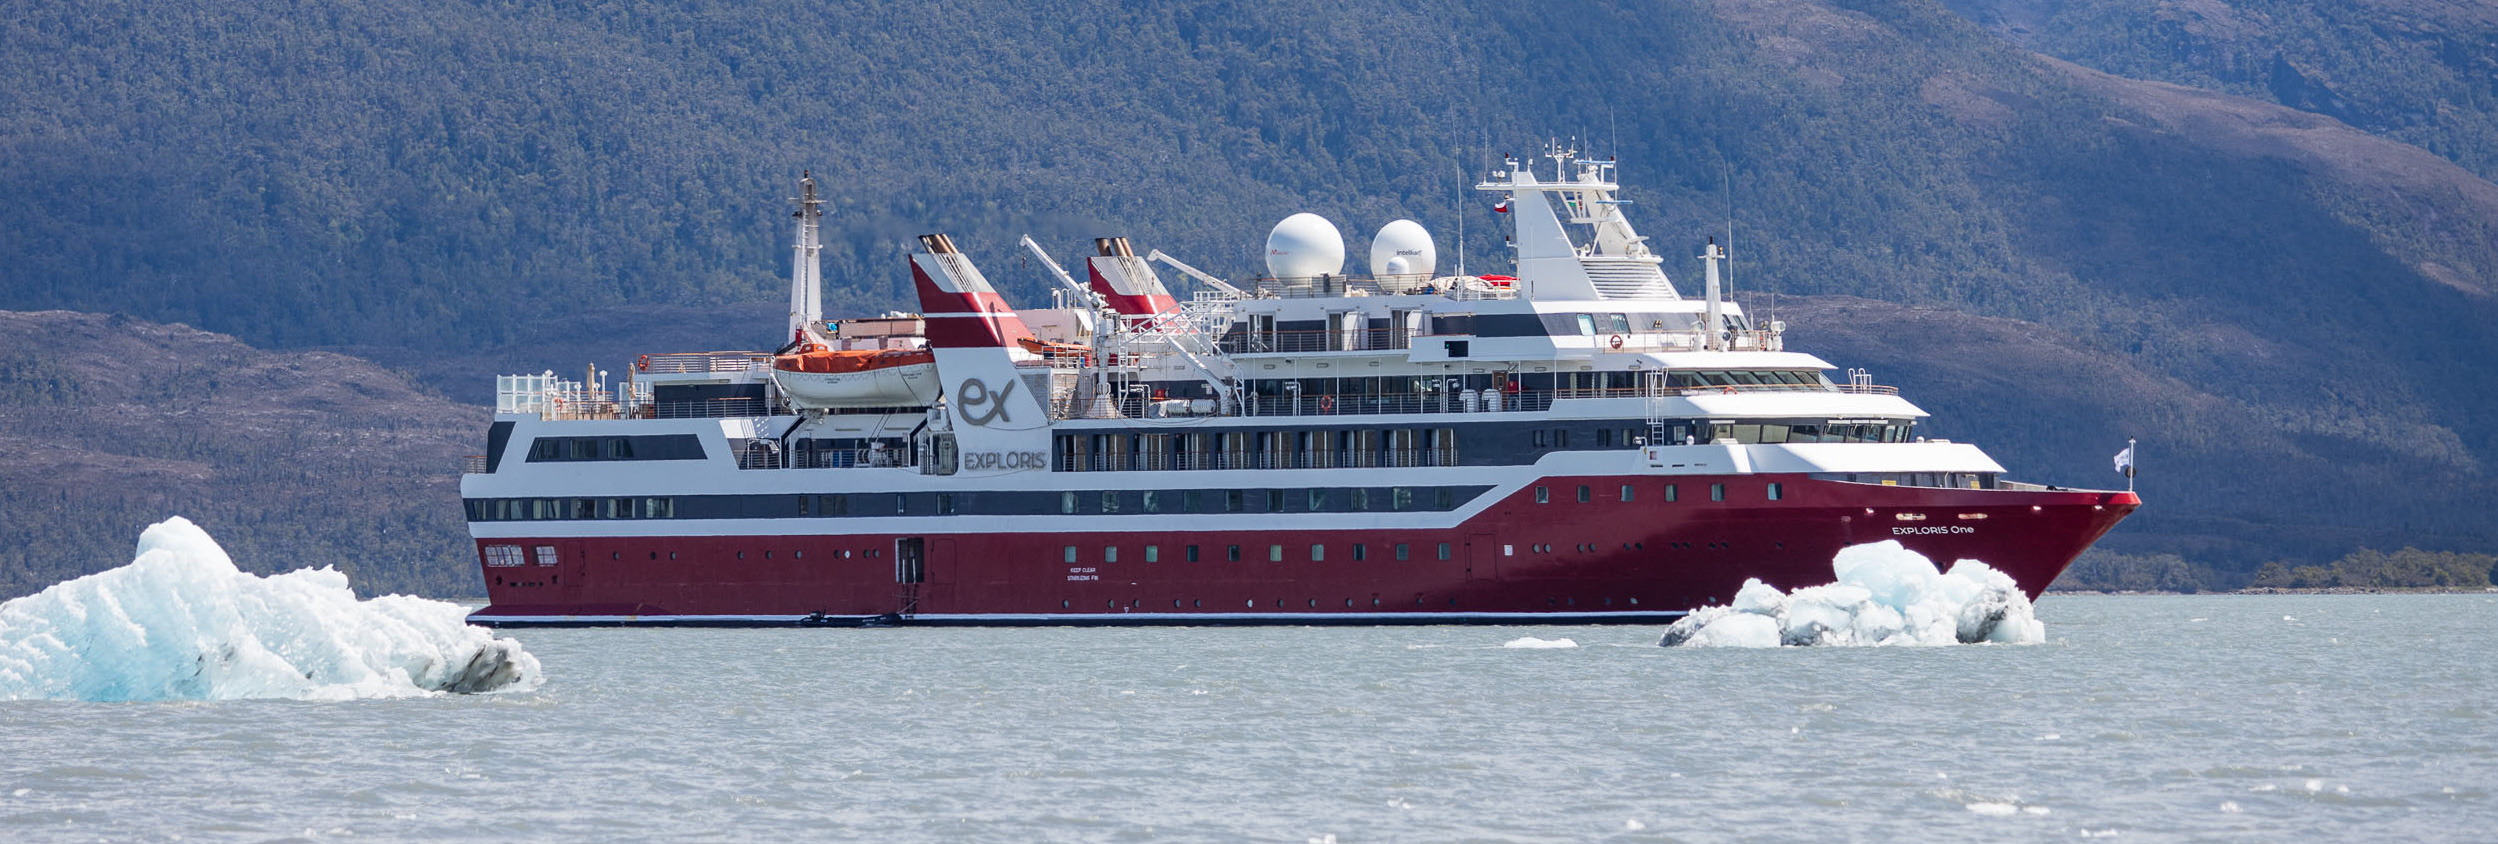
x=1627 y=278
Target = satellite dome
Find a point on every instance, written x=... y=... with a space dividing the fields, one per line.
x=1403 y=248
x=1304 y=245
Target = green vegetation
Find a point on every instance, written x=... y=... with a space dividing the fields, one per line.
x=2410 y=568
x=2108 y=571
x=424 y=180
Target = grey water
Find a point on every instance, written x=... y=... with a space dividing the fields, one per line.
x=2190 y=718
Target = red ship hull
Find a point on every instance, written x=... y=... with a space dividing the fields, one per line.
x=1517 y=561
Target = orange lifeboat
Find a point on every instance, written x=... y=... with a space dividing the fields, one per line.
x=813 y=376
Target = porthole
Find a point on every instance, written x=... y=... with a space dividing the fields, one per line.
x=672 y=555
x=1251 y=603
x=798 y=555
x=1062 y=605
x=1112 y=603
x=767 y=555
x=741 y=555
x=1175 y=603
x=615 y=555
x=1197 y=603
x=1313 y=603
x=654 y=555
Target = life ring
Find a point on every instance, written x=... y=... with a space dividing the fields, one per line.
x=644 y=364
x=1728 y=390
x=1326 y=404
x=1617 y=341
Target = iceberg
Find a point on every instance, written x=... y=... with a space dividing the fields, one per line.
x=1884 y=594
x=180 y=622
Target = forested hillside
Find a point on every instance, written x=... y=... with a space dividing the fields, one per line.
x=2280 y=280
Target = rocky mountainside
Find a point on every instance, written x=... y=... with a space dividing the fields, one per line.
x=291 y=459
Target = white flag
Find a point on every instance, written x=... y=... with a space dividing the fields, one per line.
x=2125 y=461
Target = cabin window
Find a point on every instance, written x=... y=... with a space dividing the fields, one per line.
x=1110 y=553
x=1274 y=553
x=503 y=556
x=1153 y=501
x=945 y=503
x=1717 y=492
x=1626 y=493
x=1444 y=550
x=1153 y=553
x=1318 y=500
x=1445 y=498
x=1587 y=325
x=1071 y=553
x=1231 y=553
x=1543 y=495
x=1360 y=552
x=1400 y=498
x=1232 y=501
x=1586 y=494
x=1361 y=499
x=1191 y=554
x=1110 y=502
x=1066 y=502
x=1402 y=553
x=1777 y=491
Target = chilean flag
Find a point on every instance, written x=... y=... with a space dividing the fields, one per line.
x=1502 y=208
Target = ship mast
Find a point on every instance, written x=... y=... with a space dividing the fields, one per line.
x=806 y=271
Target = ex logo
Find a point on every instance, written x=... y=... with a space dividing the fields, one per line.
x=979 y=405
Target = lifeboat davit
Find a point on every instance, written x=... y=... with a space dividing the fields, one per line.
x=816 y=377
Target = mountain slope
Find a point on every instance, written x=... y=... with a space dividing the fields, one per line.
x=291 y=459
x=434 y=183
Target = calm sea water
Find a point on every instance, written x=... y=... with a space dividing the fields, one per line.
x=2145 y=719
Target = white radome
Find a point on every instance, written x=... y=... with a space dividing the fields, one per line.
x=1403 y=248
x=1304 y=245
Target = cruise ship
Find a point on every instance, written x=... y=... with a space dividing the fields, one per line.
x=1572 y=441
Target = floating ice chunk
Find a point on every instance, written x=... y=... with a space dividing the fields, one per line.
x=180 y=622
x=1532 y=642
x=1884 y=594
x=1995 y=810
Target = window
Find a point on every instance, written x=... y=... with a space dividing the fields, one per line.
x=1110 y=501
x=1542 y=438
x=1626 y=493
x=901 y=504
x=546 y=555
x=1444 y=498
x=1318 y=553
x=1274 y=553
x=1587 y=325
x=1071 y=553
x=1604 y=436
x=1444 y=550
x=1777 y=491
x=833 y=505
x=1672 y=494
x=1191 y=555
x=1231 y=501
x=1561 y=438
x=503 y=556
x=1231 y=553
x=945 y=503
x=1621 y=323
x=1361 y=499
x=1586 y=494
x=1275 y=501
x=1066 y=502
x=1360 y=552
x=1717 y=492
x=1153 y=553
x=1402 y=553
x=1192 y=502
x=1543 y=495
x=1318 y=500
x=1110 y=553
x=1400 y=498
x=1153 y=501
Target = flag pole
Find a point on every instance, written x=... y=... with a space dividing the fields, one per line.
x=2129 y=464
